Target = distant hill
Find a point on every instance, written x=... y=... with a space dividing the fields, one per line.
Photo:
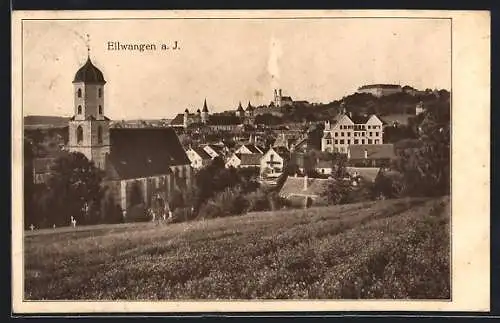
x=46 y=121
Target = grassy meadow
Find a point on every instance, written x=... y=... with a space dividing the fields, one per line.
x=393 y=249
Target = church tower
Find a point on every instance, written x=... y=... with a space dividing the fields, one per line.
x=89 y=127
x=204 y=112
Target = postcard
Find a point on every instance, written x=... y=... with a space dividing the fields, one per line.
x=242 y=161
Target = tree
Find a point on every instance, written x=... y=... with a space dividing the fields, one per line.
x=75 y=190
x=426 y=169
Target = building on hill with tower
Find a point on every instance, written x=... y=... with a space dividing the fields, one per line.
x=151 y=158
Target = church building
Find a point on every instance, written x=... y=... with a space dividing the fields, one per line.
x=152 y=158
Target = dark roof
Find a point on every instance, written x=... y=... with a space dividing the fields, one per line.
x=357 y=119
x=88 y=73
x=201 y=152
x=383 y=151
x=224 y=120
x=144 y=152
x=205 y=108
x=288 y=98
x=219 y=149
x=250 y=107
x=240 y=108
x=178 y=120
x=283 y=152
x=382 y=86
x=327 y=135
x=253 y=149
x=250 y=159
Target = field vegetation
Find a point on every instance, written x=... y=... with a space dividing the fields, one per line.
x=392 y=249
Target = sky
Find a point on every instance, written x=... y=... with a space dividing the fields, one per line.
x=228 y=61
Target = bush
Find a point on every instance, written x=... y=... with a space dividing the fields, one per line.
x=229 y=202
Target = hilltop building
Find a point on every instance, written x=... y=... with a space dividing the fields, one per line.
x=151 y=158
x=280 y=100
x=380 y=90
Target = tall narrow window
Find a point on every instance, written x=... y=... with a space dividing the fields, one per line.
x=99 y=134
x=99 y=92
x=79 y=109
x=79 y=93
x=79 y=134
x=100 y=109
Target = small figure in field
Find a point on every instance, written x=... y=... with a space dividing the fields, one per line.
x=54 y=226
x=32 y=227
x=73 y=221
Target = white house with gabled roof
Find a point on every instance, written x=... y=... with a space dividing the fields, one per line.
x=346 y=130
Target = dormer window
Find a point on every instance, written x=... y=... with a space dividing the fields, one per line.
x=79 y=109
x=79 y=93
x=99 y=92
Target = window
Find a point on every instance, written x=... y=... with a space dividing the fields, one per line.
x=336 y=141
x=362 y=141
x=99 y=92
x=371 y=133
x=348 y=141
x=99 y=134
x=342 y=134
x=79 y=134
x=336 y=134
x=369 y=127
x=79 y=93
x=322 y=170
x=100 y=109
x=356 y=141
x=376 y=134
x=369 y=141
x=376 y=141
x=79 y=109
x=341 y=141
x=348 y=134
x=328 y=142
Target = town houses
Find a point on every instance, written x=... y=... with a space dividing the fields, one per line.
x=162 y=157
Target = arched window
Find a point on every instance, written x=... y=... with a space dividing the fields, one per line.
x=79 y=134
x=100 y=109
x=99 y=92
x=99 y=134
x=79 y=93
x=79 y=109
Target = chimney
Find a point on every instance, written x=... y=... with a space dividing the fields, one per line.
x=280 y=92
x=305 y=182
x=366 y=154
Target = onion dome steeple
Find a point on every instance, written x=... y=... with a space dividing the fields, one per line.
x=89 y=74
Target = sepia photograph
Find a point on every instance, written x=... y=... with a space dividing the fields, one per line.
x=244 y=157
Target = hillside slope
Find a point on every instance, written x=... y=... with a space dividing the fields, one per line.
x=385 y=249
